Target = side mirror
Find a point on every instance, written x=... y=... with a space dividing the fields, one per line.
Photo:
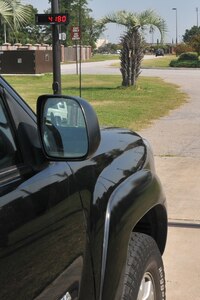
x=68 y=127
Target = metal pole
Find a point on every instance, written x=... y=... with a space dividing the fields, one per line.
x=176 y=28
x=174 y=8
x=76 y=58
x=80 y=54
x=56 y=86
x=80 y=72
x=5 y=33
x=197 y=11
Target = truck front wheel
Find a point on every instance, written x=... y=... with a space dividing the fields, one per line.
x=144 y=274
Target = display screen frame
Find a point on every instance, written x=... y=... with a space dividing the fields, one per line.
x=52 y=19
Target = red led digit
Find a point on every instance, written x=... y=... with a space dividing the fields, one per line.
x=50 y=19
x=64 y=19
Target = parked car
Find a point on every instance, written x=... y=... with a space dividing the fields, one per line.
x=82 y=211
x=159 y=52
x=58 y=113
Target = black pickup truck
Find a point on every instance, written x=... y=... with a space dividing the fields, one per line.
x=82 y=211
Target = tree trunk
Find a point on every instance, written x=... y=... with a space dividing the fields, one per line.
x=131 y=57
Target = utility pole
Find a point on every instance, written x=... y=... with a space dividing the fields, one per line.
x=175 y=8
x=55 y=19
x=80 y=54
x=56 y=86
x=197 y=11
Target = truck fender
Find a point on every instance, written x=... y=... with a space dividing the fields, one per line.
x=128 y=203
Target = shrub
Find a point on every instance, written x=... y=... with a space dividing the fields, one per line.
x=185 y=63
x=188 y=56
x=173 y=63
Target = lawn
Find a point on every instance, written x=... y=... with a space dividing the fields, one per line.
x=155 y=62
x=103 y=57
x=158 y=62
x=133 y=108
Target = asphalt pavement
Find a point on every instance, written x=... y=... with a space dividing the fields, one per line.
x=175 y=140
x=176 y=143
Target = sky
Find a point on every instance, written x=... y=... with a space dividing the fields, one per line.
x=187 y=15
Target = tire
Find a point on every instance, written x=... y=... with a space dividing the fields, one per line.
x=144 y=274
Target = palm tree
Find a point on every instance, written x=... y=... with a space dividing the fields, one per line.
x=14 y=14
x=131 y=56
x=133 y=41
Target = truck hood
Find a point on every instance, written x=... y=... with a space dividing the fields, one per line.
x=121 y=153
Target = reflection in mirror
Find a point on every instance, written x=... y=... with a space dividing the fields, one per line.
x=64 y=128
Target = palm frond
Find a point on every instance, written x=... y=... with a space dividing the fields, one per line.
x=20 y=13
x=122 y=17
x=152 y=19
x=133 y=20
x=5 y=12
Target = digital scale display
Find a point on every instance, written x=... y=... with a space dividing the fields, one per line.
x=51 y=19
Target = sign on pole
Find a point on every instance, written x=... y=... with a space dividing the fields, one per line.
x=75 y=33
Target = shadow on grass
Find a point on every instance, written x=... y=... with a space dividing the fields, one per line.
x=92 y=88
x=101 y=88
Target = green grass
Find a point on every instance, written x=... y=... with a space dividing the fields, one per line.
x=97 y=57
x=158 y=62
x=133 y=107
x=103 y=57
x=155 y=62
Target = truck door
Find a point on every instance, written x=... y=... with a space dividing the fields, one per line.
x=42 y=229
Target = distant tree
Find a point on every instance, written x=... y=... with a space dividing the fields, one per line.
x=182 y=48
x=190 y=33
x=195 y=43
x=132 y=40
x=92 y=29
x=109 y=48
x=79 y=15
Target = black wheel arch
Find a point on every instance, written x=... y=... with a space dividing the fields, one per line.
x=154 y=224
x=137 y=204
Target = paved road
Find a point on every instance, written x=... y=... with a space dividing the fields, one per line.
x=176 y=143
x=101 y=67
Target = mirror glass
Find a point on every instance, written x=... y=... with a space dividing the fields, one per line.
x=64 y=128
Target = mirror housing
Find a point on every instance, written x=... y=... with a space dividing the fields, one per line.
x=68 y=127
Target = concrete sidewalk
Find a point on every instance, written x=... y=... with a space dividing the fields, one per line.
x=180 y=178
x=181 y=261
x=176 y=143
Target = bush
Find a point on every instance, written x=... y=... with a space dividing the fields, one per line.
x=186 y=60
x=173 y=63
x=185 y=63
x=188 y=56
